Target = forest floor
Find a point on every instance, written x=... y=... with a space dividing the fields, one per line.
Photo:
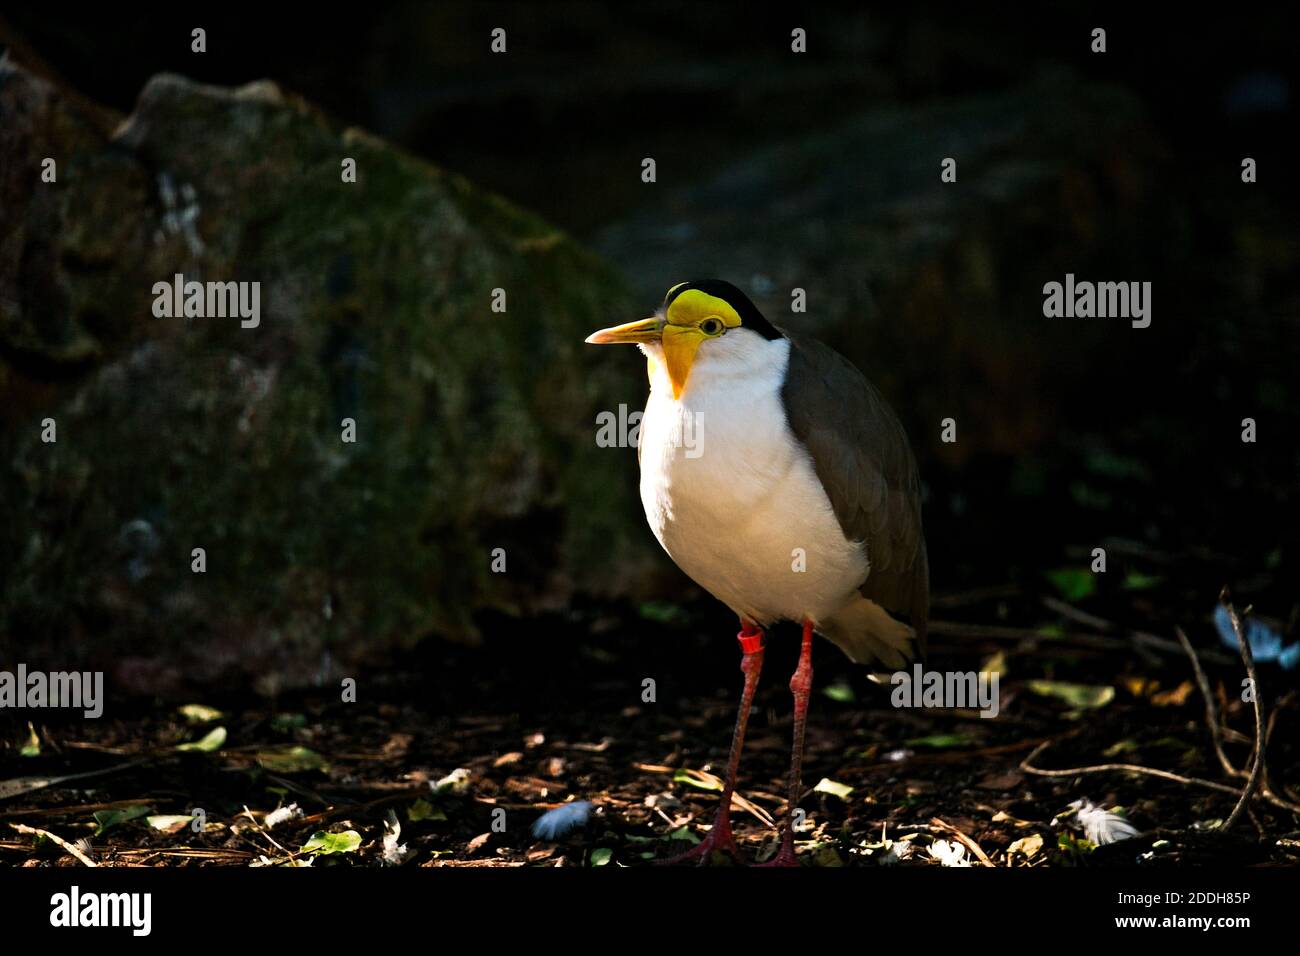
x=459 y=750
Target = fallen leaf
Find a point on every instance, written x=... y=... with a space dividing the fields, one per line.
x=169 y=823
x=834 y=788
x=1073 y=584
x=1174 y=698
x=424 y=810
x=1078 y=696
x=326 y=844
x=291 y=760
x=1007 y=780
x=840 y=691
x=33 y=746
x=199 y=713
x=1027 y=846
x=107 y=819
x=211 y=741
x=1003 y=817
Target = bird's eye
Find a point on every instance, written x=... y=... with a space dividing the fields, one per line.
x=712 y=326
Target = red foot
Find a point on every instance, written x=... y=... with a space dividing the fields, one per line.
x=784 y=857
x=719 y=839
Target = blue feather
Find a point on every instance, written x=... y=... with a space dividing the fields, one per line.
x=1266 y=644
x=558 y=823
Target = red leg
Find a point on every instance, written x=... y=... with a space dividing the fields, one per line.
x=801 y=688
x=719 y=838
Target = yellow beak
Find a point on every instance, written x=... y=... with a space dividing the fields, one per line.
x=631 y=333
x=679 y=343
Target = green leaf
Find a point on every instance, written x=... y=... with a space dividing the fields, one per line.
x=1073 y=584
x=199 y=713
x=601 y=856
x=1074 y=848
x=662 y=612
x=1086 y=496
x=683 y=834
x=284 y=723
x=826 y=785
x=941 y=741
x=291 y=760
x=210 y=742
x=1078 y=696
x=107 y=819
x=1120 y=748
x=840 y=691
x=325 y=844
x=424 y=810
x=1111 y=465
x=1137 y=581
x=33 y=746
x=826 y=855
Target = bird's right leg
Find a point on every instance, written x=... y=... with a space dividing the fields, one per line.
x=720 y=838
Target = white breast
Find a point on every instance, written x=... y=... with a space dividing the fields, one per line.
x=732 y=495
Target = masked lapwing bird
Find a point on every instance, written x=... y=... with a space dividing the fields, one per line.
x=775 y=476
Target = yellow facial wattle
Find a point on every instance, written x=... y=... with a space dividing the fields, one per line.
x=691 y=317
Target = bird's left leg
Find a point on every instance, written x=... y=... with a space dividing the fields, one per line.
x=720 y=838
x=801 y=688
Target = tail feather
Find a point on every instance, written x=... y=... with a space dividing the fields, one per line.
x=867 y=633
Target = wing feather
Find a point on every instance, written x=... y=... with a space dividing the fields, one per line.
x=862 y=457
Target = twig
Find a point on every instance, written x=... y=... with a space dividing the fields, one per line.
x=1217 y=729
x=1211 y=711
x=1257 y=767
x=1098 y=623
x=78 y=808
x=963 y=839
x=23 y=828
x=265 y=835
x=1027 y=766
x=1074 y=614
x=19 y=786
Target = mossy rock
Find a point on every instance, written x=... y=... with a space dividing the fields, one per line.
x=475 y=430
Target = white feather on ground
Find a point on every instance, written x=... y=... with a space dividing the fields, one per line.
x=395 y=854
x=1101 y=826
x=949 y=853
x=282 y=815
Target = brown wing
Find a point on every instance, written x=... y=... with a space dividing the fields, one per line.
x=862 y=456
